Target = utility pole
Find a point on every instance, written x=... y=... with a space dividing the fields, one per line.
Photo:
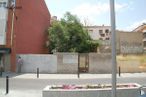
x=113 y=44
x=13 y=7
x=12 y=26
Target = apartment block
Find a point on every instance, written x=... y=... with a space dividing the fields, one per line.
x=142 y=29
x=99 y=32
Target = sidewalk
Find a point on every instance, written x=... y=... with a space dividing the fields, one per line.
x=71 y=76
x=20 y=93
x=38 y=92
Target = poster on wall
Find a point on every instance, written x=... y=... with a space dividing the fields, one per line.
x=70 y=59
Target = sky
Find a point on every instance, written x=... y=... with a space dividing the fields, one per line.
x=129 y=13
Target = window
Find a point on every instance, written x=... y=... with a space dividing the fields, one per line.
x=90 y=30
x=102 y=35
x=144 y=43
x=2 y=4
x=144 y=35
x=101 y=31
x=3 y=22
x=106 y=31
x=107 y=38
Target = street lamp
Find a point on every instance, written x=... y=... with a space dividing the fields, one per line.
x=113 y=43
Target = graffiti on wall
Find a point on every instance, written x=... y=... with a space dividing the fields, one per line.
x=131 y=48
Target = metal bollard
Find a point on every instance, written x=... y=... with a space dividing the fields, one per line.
x=119 y=71
x=78 y=74
x=1 y=73
x=37 y=72
x=7 y=84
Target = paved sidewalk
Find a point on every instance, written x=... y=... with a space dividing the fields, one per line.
x=20 y=93
x=75 y=76
x=71 y=76
x=38 y=92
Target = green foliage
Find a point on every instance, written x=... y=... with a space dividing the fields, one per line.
x=68 y=35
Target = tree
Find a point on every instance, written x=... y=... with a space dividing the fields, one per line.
x=69 y=35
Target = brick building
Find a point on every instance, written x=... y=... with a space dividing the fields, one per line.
x=23 y=25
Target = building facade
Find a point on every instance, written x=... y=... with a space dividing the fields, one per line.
x=99 y=32
x=23 y=26
x=142 y=29
x=125 y=44
x=129 y=42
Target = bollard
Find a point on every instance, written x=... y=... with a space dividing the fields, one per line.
x=1 y=73
x=119 y=71
x=78 y=73
x=37 y=72
x=7 y=84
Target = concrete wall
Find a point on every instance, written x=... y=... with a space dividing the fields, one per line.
x=7 y=62
x=45 y=63
x=99 y=63
x=132 y=63
x=124 y=43
x=67 y=62
x=130 y=66
x=130 y=42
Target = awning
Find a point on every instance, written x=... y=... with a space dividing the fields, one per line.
x=5 y=50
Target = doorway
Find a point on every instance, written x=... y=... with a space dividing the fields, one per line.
x=83 y=63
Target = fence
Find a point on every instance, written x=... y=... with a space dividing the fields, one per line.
x=45 y=63
x=68 y=63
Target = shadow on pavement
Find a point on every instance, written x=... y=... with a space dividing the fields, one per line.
x=10 y=74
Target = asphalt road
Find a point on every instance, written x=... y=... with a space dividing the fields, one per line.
x=39 y=84
x=33 y=87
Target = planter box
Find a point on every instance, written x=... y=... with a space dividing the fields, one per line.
x=131 y=90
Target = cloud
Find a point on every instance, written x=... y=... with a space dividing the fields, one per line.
x=96 y=9
x=120 y=7
x=87 y=9
x=135 y=25
x=93 y=11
